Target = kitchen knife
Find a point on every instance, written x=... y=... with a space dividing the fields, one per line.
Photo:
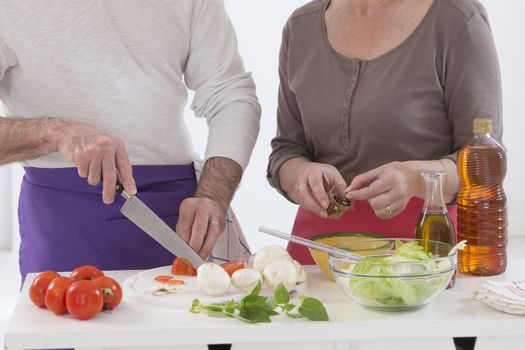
x=142 y=216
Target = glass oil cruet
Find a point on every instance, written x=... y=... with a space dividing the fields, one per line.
x=434 y=224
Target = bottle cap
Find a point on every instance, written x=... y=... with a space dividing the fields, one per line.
x=482 y=126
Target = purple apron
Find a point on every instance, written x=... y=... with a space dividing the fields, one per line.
x=64 y=223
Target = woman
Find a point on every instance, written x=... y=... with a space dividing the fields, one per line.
x=373 y=92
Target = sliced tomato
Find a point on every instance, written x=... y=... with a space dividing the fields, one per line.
x=231 y=266
x=86 y=272
x=174 y=282
x=163 y=278
x=182 y=267
x=38 y=289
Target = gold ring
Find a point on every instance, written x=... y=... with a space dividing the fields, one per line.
x=214 y=222
x=388 y=211
x=300 y=187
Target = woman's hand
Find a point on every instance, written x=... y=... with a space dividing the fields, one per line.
x=307 y=183
x=387 y=188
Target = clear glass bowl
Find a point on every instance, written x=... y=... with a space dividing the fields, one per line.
x=395 y=285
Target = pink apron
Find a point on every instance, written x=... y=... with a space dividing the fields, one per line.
x=361 y=219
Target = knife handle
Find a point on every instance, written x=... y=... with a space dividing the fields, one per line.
x=120 y=189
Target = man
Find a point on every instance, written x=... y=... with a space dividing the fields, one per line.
x=95 y=92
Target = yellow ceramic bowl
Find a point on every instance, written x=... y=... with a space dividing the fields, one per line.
x=337 y=238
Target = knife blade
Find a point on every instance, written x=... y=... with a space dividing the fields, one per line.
x=142 y=216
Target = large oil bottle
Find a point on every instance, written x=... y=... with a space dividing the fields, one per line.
x=482 y=204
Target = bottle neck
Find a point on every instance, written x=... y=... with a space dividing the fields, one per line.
x=482 y=135
x=434 y=202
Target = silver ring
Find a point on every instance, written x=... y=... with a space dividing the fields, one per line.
x=388 y=211
x=214 y=222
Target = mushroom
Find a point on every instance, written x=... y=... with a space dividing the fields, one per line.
x=301 y=272
x=246 y=279
x=212 y=279
x=280 y=272
x=249 y=264
x=270 y=254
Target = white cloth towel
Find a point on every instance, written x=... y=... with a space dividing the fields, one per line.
x=506 y=296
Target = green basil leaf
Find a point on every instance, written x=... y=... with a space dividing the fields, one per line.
x=195 y=306
x=257 y=289
x=293 y=315
x=271 y=304
x=281 y=294
x=270 y=311
x=313 y=310
x=218 y=314
x=230 y=306
x=213 y=307
x=252 y=302
x=288 y=307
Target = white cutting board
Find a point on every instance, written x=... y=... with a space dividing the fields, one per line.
x=138 y=288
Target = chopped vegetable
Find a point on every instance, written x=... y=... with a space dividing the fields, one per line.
x=254 y=308
x=182 y=267
x=231 y=266
x=163 y=278
x=174 y=282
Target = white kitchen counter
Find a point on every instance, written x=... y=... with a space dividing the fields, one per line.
x=453 y=314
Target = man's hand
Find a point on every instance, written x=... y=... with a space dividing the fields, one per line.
x=98 y=157
x=202 y=218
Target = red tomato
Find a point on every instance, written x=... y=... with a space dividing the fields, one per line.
x=84 y=299
x=174 y=282
x=111 y=291
x=163 y=278
x=37 y=291
x=231 y=266
x=182 y=267
x=56 y=295
x=86 y=272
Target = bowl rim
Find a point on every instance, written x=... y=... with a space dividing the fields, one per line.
x=344 y=234
x=334 y=257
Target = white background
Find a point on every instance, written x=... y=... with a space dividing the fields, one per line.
x=258 y=24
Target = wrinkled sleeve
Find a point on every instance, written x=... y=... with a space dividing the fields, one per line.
x=472 y=82
x=224 y=92
x=7 y=58
x=290 y=140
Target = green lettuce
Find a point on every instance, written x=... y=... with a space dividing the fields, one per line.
x=416 y=285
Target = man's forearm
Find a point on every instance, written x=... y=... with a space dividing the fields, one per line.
x=22 y=139
x=219 y=179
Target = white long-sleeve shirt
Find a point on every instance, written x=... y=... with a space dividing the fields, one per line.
x=124 y=66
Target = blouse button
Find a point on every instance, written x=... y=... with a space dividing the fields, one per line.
x=344 y=111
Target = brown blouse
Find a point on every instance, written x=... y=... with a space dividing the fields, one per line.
x=415 y=102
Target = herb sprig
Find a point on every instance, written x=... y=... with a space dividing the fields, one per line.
x=255 y=308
